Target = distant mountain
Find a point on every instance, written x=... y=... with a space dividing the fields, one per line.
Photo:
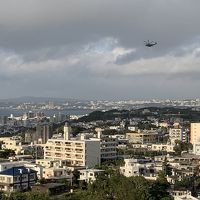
x=30 y=99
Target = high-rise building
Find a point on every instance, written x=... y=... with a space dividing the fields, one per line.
x=3 y=120
x=195 y=133
x=43 y=133
x=67 y=131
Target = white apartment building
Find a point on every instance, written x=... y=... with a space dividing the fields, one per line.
x=108 y=146
x=162 y=147
x=133 y=128
x=89 y=175
x=136 y=167
x=77 y=152
x=175 y=134
x=195 y=133
x=185 y=136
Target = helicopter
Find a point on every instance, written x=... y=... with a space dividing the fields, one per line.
x=149 y=44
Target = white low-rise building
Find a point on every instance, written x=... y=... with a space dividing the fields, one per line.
x=89 y=175
x=133 y=128
x=185 y=197
x=136 y=167
x=196 y=148
x=162 y=147
x=115 y=127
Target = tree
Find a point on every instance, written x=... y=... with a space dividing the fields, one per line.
x=6 y=153
x=182 y=146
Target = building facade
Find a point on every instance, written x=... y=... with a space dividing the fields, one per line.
x=137 y=167
x=142 y=137
x=17 y=179
x=76 y=152
x=162 y=147
x=43 y=133
x=108 y=145
x=195 y=133
x=175 y=134
x=89 y=175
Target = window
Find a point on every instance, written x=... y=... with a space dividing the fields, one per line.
x=15 y=186
x=32 y=176
x=8 y=179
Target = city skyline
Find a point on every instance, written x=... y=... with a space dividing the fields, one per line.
x=95 y=50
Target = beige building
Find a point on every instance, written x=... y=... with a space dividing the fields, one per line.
x=54 y=169
x=163 y=124
x=76 y=152
x=83 y=152
x=162 y=147
x=195 y=133
x=46 y=162
x=13 y=143
x=57 y=173
x=146 y=137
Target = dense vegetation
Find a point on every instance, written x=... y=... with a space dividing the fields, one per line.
x=6 y=153
x=162 y=113
x=115 y=187
x=182 y=146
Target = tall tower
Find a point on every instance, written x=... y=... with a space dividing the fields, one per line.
x=99 y=132
x=67 y=131
x=43 y=133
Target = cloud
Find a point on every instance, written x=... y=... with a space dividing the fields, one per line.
x=77 y=47
x=102 y=58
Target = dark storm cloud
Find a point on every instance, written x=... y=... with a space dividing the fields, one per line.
x=34 y=23
x=94 y=49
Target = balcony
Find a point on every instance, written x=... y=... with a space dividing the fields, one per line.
x=56 y=149
x=58 y=155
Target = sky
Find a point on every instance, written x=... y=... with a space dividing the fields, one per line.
x=94 y=49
